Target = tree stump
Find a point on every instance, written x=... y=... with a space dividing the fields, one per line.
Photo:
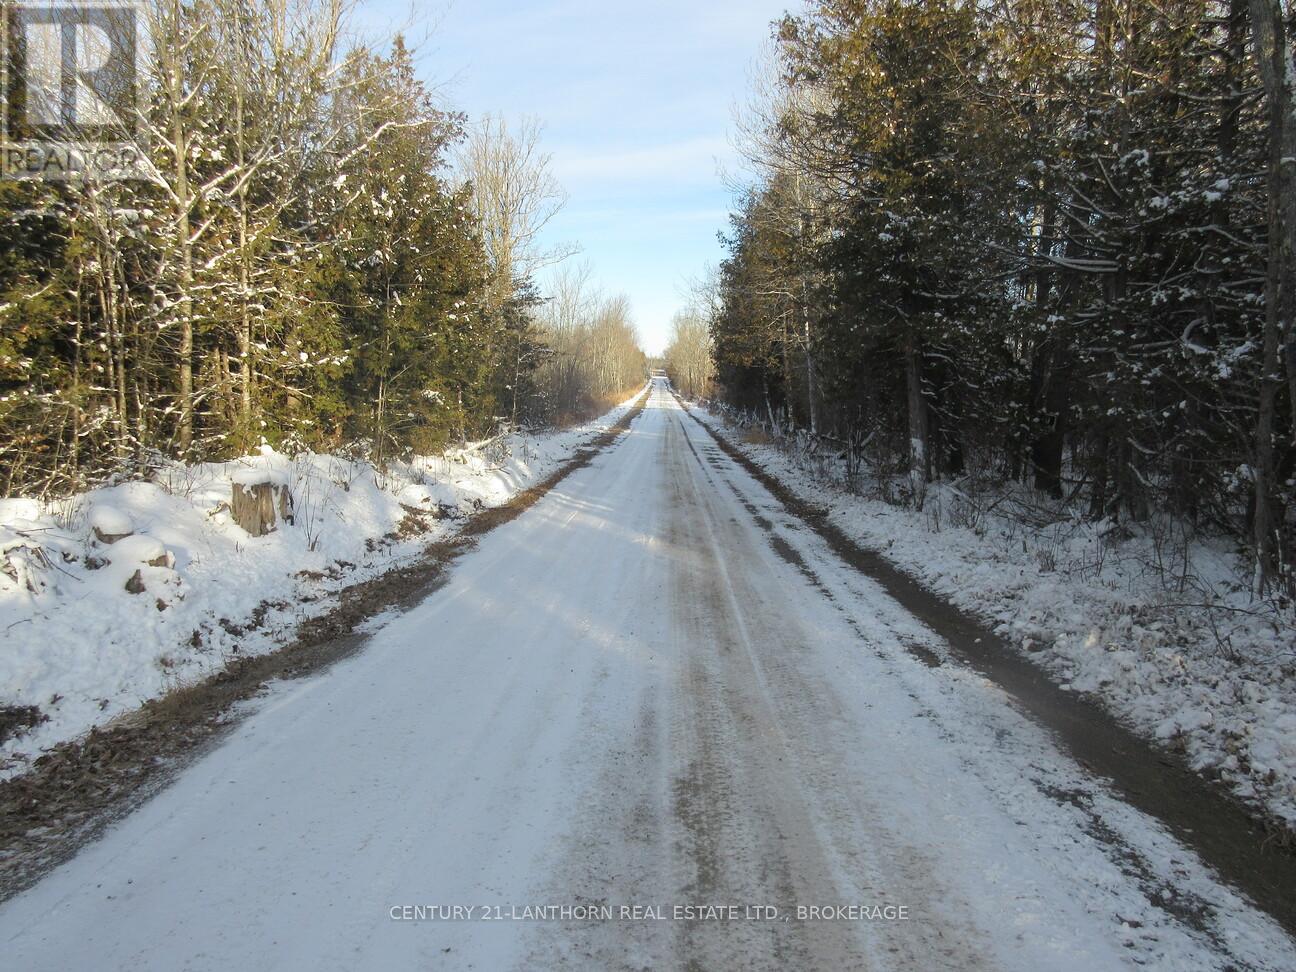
x=254 y=505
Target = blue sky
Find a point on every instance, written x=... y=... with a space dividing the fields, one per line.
x=636 y=102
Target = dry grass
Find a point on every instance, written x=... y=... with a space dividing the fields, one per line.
x=591 y=409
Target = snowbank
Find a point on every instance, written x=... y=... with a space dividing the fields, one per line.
x=1092 y=607
x=117 y=595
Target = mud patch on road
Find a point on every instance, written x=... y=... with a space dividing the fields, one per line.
x=764 y=522
x=74 y=791
x=923 y=654
x=1186 y=907
x=789 y=554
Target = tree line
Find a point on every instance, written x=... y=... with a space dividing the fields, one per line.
x=687 y=358
x=322 y=256
x=589 y=350
x=1048 y=241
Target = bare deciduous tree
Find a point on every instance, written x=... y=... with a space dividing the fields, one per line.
x=688 y=355
x=516 y=195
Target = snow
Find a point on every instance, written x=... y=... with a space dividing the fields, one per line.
x=84 y=650
x=1093 y=609
x=526 y=736
x=110 y=521
x=265 y=473
x=137 y=549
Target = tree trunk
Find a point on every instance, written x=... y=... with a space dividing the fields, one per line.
x=180 y=148
x=1053 y=402
x=1050 y=393
x=919 y=453
x=812 y=381
x=1099 y=474
x=245 y=272
x=1274 y=60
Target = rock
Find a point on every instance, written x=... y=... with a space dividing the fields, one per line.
x=110 y=524
x=140 y=549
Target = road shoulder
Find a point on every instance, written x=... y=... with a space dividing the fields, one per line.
x=74 y=791
x=1229 y=837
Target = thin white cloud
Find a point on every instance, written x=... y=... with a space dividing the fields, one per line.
x=580 y=219
x=689 y=160
x=635 y=101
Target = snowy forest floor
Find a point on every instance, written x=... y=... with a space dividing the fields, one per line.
x=81 y=650
x=1162 y=634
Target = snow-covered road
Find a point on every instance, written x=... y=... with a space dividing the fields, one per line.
x=654 y=689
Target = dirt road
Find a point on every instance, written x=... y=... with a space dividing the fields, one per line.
x=651 y=723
